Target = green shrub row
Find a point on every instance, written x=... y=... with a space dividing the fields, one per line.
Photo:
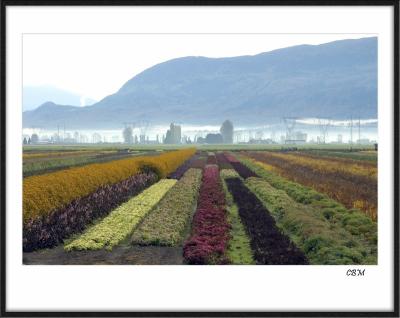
x=239 y=250
x=352 y=220
x=322 y=242
x=167 y=224
x=120 y=223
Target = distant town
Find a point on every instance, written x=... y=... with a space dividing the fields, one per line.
x=138 y=134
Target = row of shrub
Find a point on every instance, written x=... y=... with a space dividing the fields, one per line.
x=211 y=159
x=352 y=184
x=45 y=193
x=210 y=230
x=223 y=162
x=352 y=220
x=239 y=249
x=120 y=223
x=322 y=242
x=51 y=229
x=168 y=223
x=181 y=170
x=269 y=244
x=240 y=168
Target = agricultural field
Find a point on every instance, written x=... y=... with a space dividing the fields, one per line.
x=204 y=206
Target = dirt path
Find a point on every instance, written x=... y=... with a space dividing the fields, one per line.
x=121 y=255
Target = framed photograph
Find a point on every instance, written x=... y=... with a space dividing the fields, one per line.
x=199 y=158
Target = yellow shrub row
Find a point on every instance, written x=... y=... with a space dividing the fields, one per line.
x=323 y=164
x=43 y=193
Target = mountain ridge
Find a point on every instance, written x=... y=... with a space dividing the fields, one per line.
x=336 y=80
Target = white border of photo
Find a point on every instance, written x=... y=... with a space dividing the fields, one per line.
x=198 y=288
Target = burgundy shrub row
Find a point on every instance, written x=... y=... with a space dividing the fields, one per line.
x=223 y=162
x=270 y=246
x=210 y=228
x=211 y=160
x=240 y=168
x=51 y=230
x=199 y=163
x=181 y=170
x=231 y=158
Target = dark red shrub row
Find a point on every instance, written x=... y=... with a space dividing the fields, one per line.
x=240 y=168
x=211 y=160
x=269 y=245
x=51 y=230
x=210 y=228
x=223 y=162
x=180 y=171
x=231 y=158
x=199 y=163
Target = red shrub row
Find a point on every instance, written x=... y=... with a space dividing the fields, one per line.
x=210 y=228
x=180 y=171
x=211 y=160
x=240 y=168
x=223 y=162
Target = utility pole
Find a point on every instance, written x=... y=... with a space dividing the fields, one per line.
x=351 y=133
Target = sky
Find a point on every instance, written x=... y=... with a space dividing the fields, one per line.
x=97 y=65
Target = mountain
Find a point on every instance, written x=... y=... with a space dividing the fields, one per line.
x=336 y=80
x=33 y=96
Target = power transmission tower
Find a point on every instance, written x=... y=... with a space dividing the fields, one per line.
x=324 y=124
x=351 y=131
x=290 y=124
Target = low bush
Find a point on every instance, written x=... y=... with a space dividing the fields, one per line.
x=166 y=224
x=239 y=250
x=223 y=162
x=269 y=244
x=120 y=223
x=322 y=242
x=181 y=170
x=240 y=168
x=211 y=159
x=50 y=230
x=337 y=214
x=44 y=193
x=210 y=231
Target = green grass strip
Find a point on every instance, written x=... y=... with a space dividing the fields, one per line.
x=239 y=250
x=120 y=223
x=352 y=220
x=166 y=225
x=322 y=242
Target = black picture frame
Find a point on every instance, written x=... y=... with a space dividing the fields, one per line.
x=3 y=171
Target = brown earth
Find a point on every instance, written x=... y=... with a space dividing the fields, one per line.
x=121 y=255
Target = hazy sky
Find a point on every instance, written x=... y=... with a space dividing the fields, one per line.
x=97 y=65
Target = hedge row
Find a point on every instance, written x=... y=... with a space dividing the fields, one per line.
x=50 y=230
x=121 y=222
x=353 y=221
x=210 y=229
x=240 y=168
x=239 y=249
x=168 y=222
x=45 y=193
x=270 y=246
x=223 y=162
x=181 y=170
x=322 y=242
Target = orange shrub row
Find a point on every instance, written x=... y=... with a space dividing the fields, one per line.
x=330 y=165
x=44 y=193
x=353 y=190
